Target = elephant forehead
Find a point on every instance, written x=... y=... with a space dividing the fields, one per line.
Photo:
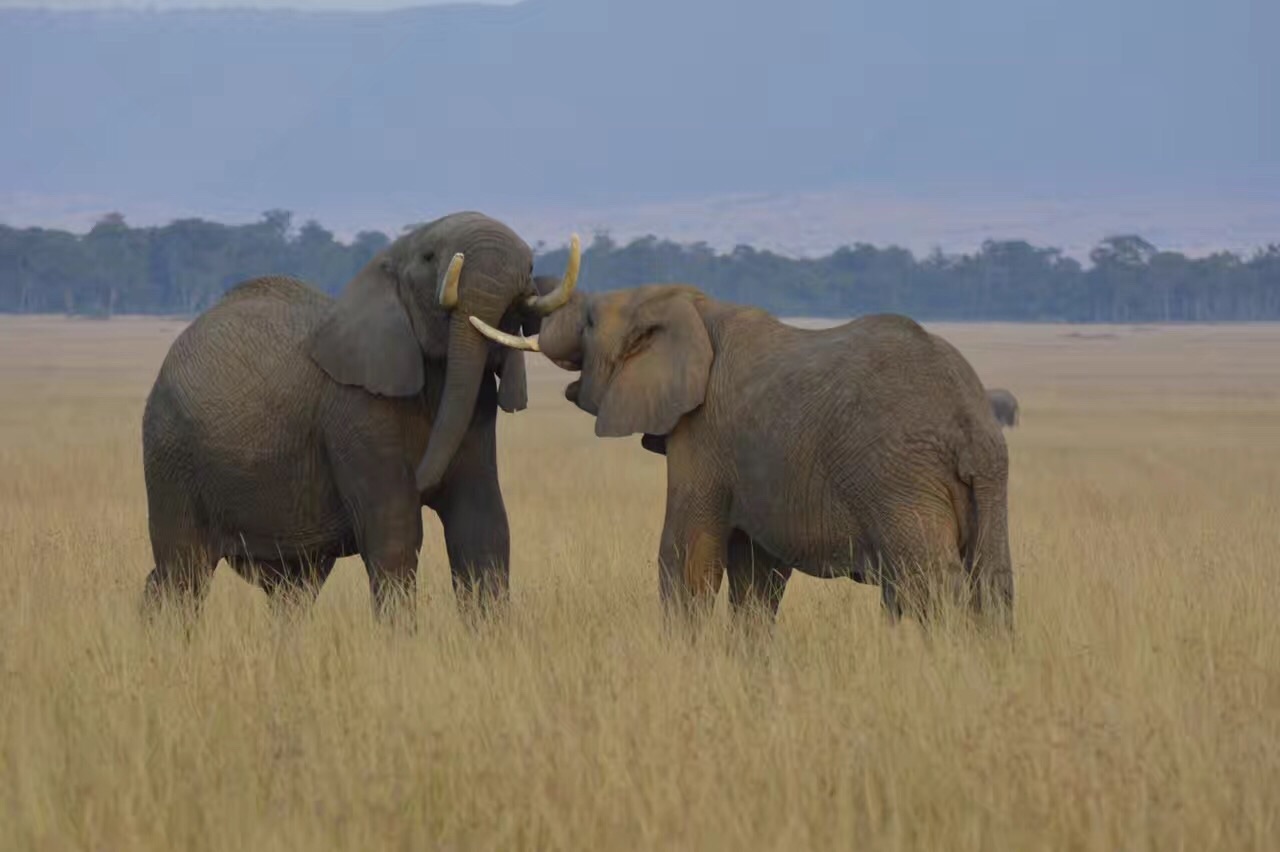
x=612 y=315
x=491 y=235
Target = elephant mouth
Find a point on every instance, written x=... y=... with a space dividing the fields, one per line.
x=573 y=393
x=654 y=443
x=573 y=366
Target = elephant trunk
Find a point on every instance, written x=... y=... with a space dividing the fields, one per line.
x=560 y=337
x=464 y=372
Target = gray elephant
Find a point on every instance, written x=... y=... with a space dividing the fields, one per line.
x=1004 y=405
x=864 y=451
x=287 y=429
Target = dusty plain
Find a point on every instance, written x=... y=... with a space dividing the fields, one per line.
x=1137 y=708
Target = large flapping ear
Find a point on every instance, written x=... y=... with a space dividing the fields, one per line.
x=513 y=387
x=663 y=372
x=367 y=339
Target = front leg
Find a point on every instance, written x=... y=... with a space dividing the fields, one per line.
x=383 y=505
x=478 y=539
x=691 y=561
x=472 y=512
x=389 y=543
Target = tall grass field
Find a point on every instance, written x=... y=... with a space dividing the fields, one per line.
x=1136 y=708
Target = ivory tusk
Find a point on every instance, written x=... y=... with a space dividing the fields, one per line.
x=526 y=344
x=559 y=297
x=448 y=292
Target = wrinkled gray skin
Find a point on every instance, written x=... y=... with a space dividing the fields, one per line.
x=865 y=451
x=285 y=427
x=1004 y=405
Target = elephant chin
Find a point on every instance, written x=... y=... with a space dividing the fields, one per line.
x=571 y=391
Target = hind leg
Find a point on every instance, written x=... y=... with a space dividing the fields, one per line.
x=180 y=579
x=926 y=589
x=993 y=597
x=180 y=542
x=890 y=604
x=292 y=585
x=757 y=580
x=295 y=587
x=920 y=569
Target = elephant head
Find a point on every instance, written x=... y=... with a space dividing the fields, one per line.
x=415 y=303
x=645 y=356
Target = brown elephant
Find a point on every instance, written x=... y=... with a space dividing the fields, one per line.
x=865 y=451
x=287 y=429
x=1004 y=405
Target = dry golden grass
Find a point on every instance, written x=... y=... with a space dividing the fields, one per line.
x=1139 y=707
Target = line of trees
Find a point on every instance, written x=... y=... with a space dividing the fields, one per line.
x=180 y=268
x=183 y=267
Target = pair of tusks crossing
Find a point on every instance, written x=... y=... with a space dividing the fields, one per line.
x=543 y=305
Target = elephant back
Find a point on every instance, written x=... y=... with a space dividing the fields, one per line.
x=278 y=289
x=241 y=357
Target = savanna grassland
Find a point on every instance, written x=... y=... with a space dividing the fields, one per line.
x=1138 y=708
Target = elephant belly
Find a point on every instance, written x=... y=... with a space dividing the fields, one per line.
x=282 y=507
x=821 y=538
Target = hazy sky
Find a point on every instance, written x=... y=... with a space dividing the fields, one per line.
x=259 y=4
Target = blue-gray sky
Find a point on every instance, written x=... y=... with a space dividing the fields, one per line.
x=618 y=104
x=355 y=5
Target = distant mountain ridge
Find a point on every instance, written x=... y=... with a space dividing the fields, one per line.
x=607 y=103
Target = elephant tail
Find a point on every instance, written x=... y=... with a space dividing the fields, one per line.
x=986 y=548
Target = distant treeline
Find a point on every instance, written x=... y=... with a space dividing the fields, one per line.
x=183 y=267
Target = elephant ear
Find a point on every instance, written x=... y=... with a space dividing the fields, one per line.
x=663 y=373
x=513 y=389
x=367 y=340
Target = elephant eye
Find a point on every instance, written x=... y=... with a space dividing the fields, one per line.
x=428 y=256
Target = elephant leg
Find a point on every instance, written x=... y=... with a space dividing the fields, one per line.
x=874 y=566
x=181 y=547
x=757 y=579
x=292 y=586
x=920 y=568
x=180 y=578
x=478 y=541
x=474 y=517
x=692 y=556
x=386 y=511
x=392 y=564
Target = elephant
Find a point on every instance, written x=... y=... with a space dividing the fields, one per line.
x=287 y=428
x=865 y=451
x=1004 y=405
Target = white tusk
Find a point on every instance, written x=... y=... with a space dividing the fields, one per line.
x=559 y=297
x=448 y=292
x=526 y=344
